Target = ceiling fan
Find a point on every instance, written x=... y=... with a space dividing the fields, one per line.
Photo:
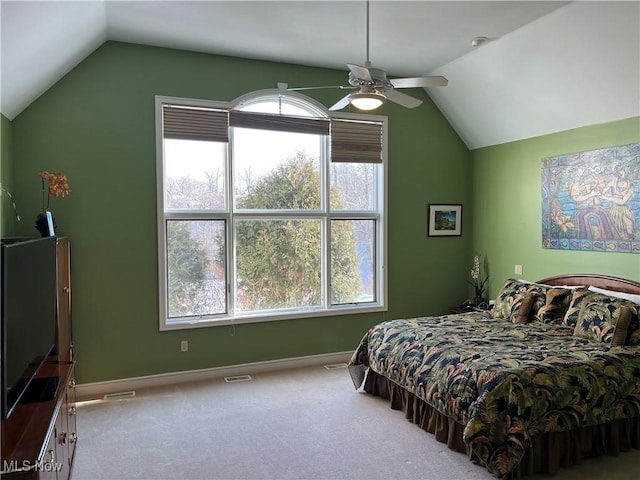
x=373 y=86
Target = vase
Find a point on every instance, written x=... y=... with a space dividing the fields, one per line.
x=480 y=302
x=45 y=224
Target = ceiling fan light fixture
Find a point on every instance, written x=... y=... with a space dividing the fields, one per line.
x=366 y=100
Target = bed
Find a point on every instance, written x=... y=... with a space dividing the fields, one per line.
x=549 y=376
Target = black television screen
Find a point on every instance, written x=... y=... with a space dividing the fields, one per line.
x=28 y=314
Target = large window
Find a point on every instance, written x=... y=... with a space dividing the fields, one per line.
x=268 y=208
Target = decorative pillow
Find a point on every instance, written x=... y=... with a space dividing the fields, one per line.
x=551 y=303
x=595 y=324
x=578 y=297
x=512 y=302
x=591 y=311
x=525 y=309
x=622 y=327
x=598 y=322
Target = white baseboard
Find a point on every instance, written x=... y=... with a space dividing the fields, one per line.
x=88 y=391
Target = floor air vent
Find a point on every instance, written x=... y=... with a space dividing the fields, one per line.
x=335 y=366
x=238 y=378
x=119 y=395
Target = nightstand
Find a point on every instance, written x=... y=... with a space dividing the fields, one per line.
x=462 y=309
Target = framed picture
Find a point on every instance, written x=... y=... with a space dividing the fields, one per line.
x=444 y=220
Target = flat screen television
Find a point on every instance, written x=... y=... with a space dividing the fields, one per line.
x=28 y=319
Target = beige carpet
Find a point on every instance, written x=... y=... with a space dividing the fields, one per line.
x=306 y=423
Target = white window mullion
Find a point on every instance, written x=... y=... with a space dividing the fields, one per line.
x=230 y=250
x=326 y=224
x=326 y=262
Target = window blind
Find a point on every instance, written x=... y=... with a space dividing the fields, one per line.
x=189 y=123
x=356 y=141
x=281 y=123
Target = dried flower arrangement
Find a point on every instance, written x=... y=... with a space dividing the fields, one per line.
x=55 y=185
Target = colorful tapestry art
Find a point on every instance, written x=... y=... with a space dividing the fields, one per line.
x=591 y=200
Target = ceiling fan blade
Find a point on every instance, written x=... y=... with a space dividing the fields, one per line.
x=402 y=99
x=359 y=72
x=297 y=89
x=419 y=82
x=340 y=104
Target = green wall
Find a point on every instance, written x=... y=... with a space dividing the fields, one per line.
x=8 y=216
x=507 y=206
x=96 y=125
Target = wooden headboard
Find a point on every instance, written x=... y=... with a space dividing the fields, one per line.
x=589 y=279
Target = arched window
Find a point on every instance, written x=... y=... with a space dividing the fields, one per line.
x=268 y=208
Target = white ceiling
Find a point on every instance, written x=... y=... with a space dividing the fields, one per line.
x=540 y=71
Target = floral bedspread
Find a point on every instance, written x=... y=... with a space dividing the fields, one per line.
x=503 y=382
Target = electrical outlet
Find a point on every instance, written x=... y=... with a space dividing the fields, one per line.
x=518 y=269
x=184 y=346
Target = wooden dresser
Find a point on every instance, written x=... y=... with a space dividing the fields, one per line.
x=39 y=438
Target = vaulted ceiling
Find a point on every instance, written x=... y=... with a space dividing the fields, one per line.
x=546 y=67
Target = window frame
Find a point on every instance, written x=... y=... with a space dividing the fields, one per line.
x=326 y=309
